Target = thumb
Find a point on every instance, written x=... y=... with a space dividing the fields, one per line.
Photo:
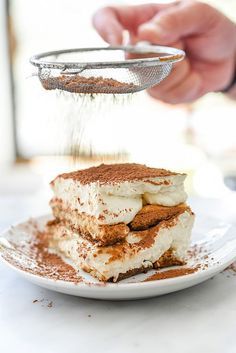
x=172 y=24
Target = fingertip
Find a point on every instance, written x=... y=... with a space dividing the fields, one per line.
x=155 y=93
x=163 y=97
x=96 y=18
x=114 y=38
x=105 y=22
x=153 y=28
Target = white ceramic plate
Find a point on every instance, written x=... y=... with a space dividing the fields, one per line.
x=216 y=239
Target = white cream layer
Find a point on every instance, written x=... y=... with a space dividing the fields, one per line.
x=119 y=203
x=82 y=252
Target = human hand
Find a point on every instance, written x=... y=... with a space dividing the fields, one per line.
x=207 y=36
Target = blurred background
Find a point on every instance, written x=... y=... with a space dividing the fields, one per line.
x=39 y=129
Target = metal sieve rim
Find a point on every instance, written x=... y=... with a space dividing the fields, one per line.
x=172 y=55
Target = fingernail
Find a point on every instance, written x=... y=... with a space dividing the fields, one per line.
x=156 y=28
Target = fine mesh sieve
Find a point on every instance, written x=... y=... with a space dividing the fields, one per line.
x=114 y=70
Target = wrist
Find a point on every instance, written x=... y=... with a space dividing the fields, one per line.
x=232 y=92
x=231 y=88
x=232 y=83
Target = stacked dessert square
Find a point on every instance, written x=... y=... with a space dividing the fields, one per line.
x=118 y=220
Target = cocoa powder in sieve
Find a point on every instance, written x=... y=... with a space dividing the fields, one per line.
x=81 y=84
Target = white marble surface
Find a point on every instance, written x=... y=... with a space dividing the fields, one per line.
x=200 y=319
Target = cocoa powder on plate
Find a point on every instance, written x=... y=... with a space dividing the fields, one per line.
x=33 y=256
x=176 y=272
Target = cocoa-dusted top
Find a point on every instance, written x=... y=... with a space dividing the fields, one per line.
x=116 y=173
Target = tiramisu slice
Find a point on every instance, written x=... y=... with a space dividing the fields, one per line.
x=117 y=220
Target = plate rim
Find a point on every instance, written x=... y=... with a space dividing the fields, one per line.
x=209 y=272
x=148 y=284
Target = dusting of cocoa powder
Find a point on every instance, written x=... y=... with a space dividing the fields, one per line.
x=44 y=302
x=116 y=173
